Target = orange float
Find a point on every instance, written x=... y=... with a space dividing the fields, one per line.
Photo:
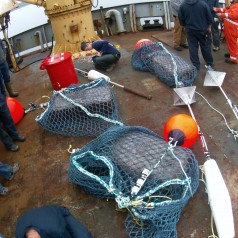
x=16 y=109
x=141 y=43
x=182 y=128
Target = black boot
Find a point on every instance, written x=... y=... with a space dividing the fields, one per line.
x=11 y=92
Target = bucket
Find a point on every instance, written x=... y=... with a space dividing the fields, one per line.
x=60 y=69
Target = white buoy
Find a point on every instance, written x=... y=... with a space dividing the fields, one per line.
x=93 y=75
x=219 y=200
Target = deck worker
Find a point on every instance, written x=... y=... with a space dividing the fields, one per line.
x=196 y=17
x=50 y=221
x=230 y=18
x=107 y=56
x=4 y=71
x=179 y=33
x=215 y=24
x=8 y=131
x=7 y=172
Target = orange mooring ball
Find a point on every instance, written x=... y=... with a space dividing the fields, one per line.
x=141 y=43
x=16 y=109
x=182 y=128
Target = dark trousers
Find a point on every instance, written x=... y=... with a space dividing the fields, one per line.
x=215 y=34
x=4 y=70
x=196 y=39
x=6 y=120
x=105 y=61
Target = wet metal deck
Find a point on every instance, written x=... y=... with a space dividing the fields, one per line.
x=44 y=158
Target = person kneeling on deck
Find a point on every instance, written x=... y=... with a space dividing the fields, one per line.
x=50 y=221
x=107 y=56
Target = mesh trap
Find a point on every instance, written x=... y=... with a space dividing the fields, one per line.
x=86 y=110
x=169 y=68
x=112 y=165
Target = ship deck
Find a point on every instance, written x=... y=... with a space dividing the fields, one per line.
x=44 y=157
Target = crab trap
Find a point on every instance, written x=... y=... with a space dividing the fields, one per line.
x=86 y=110
x=169 y=68
x=149 y=177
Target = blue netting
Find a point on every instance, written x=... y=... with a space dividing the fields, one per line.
x=86 y=110
x=171 y=69
x=113 y=165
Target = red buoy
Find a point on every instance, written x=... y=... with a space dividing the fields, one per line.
x=16 y=109
x=141 y=43
x=181 y=128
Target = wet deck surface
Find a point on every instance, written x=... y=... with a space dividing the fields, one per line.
x=44 y=158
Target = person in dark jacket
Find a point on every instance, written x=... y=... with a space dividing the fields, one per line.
x=50 y=221
x=215 y=24
x=8 y=131
x=196 y=17
x=4 y=71
x=107 y=56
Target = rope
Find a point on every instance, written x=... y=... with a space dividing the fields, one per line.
x=181 y=166
x=93 y=5
x=70 y=150
x=201 y=167
x=233 y=132
x=122 y=201
x=213 y=234
x=174 y=63
x=82 y=107
x=89 y=113
x=137 y=220
x=141 y=181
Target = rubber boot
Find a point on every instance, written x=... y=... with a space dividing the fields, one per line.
x=11 y=92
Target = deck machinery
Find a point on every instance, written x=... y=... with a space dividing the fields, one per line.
x=71 y=22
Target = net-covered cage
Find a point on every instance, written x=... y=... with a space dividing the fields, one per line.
x=86 y=110
x=168 y=67
x=143 y=173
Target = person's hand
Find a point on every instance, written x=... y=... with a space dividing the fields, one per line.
x=215 y=9
x=209 y=29
x=31 y=233
x=219 y=14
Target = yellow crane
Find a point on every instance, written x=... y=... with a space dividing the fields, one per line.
x=71 y=22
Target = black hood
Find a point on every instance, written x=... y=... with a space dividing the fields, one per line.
x=191 y=2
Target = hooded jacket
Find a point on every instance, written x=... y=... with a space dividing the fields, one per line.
x=195 y=15
x=51 y=221
x=175 y=5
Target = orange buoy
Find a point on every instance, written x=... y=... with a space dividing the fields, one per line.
x=181 y=128
x=16 y=109
x=141 y=43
